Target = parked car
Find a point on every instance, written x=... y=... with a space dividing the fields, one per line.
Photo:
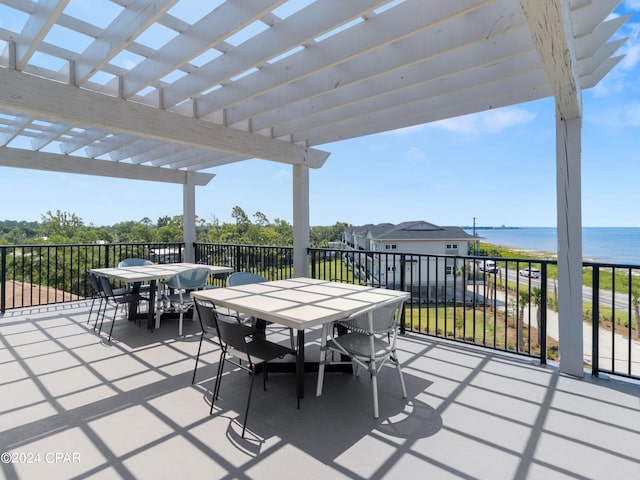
x=530 y=272
x=488 y=266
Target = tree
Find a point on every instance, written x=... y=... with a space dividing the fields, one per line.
x=134 y=232
x=261 y=219
x=61 y=227
x=163 y=221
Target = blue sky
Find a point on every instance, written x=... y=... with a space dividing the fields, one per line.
x=497 y=166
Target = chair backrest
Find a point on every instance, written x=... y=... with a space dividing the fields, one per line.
x=189 y=279
x=206 y=315
x=376 y=319
x=134 y=262
x=244 y=278
x=232 y=333
x=106 y=287
x=94 y=283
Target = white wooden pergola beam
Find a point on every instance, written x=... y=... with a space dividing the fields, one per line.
x=51 y=162
x=402 y=21
x=132 y=21
x=38 y=25
x=552 y=33
x=296 y=30
x=33 y=95
x=225 y=20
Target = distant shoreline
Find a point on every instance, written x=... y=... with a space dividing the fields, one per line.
x=538 y=254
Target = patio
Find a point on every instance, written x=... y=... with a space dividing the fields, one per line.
x=75 y=407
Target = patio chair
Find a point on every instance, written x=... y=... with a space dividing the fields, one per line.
x=96 y=294
x=249 y=351
x=136 y=262
x=208 y=327
x=245 y=278
x=179 y=299
x=371 y=341
x=116 y=298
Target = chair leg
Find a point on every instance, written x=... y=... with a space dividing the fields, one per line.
x=323 y=359
x=264 y=376
x=404 y=388
x=93 y=302
x=95 y=324
x=180 y=324
x=374 y=383
x=102 y=319
x=216 y=388
x=246 y=412
x=193 y=380
x=115 y=314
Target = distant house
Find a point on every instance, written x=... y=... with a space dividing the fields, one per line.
x=426 y=247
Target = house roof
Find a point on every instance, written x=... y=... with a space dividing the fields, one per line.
x=414 y=230
x=168 y=89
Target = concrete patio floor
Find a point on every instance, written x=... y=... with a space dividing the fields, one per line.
x=73 y=405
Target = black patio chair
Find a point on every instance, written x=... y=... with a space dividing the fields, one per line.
x=250 y=351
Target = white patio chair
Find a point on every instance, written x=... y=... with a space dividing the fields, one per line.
x=371 y=341
x=181 y=285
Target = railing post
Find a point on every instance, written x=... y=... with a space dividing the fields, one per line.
x=3 y=278
x=403 y=262
x=543 y=310
x=312 y=259
x=595 y=321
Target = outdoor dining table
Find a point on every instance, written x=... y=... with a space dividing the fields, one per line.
x=153 y=274
x=300 y=303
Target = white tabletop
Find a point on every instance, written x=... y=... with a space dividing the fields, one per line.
x=144 y=273
x=299 y=302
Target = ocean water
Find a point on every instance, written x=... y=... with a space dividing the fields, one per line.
x=604 y=244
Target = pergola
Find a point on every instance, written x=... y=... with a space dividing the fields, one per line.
x=168 y=90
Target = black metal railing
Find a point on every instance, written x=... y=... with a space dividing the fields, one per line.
x=33 y=275
x=614 y=312
x=455 y=297
x=507 y=304
x=274 y=263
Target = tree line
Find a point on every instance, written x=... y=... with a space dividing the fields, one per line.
x=64 y=227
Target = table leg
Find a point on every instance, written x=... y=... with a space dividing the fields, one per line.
x=300 y=365
x=152 y=306
x=133 y=306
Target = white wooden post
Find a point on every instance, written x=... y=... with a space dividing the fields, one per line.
x=300 y=220
x=189 y=217
x=568 y=178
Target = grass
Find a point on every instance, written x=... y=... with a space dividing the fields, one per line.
x=478 y=325
x=620 y=282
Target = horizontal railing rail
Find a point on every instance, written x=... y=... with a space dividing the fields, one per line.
x=507 y=304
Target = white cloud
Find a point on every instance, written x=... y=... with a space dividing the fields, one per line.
x=628 y=116
x=492 y=121
x=283 y=177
